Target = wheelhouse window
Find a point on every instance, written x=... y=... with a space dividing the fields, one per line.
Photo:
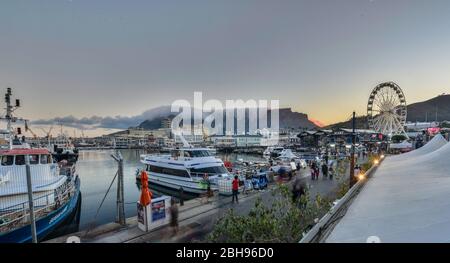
x=45 y=159
x=7 y=160
x=34 y=159
x=20 y=159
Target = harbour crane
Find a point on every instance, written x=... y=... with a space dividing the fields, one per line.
x=48 y=134
x=28 y=129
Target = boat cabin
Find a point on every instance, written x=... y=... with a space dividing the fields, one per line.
x=191 y=153
x=17 y=157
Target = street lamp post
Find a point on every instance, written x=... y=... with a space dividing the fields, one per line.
x=352 y=158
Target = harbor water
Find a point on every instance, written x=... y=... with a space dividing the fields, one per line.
x=97 y=170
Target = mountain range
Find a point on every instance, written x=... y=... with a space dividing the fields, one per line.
x=288 y=120
x=437 y=108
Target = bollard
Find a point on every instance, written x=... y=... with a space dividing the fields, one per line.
x=181 y=196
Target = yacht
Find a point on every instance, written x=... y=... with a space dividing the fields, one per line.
x=55 y=188
x=185 y=168
x=287 y=156
x=273 y=152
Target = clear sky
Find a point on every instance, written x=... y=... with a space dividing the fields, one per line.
x=107 y=58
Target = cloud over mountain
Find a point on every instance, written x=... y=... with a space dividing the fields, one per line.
x=151 y=119
x=117 y=122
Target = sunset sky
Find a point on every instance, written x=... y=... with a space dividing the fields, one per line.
x=321 y=57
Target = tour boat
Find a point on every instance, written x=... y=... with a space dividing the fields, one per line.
x=186 y=168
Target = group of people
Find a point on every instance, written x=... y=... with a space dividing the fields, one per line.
x=327 y=171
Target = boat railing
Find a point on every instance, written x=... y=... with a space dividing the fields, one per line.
x=68 y=170
x=18 y=215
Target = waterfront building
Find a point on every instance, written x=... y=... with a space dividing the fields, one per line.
x=248 y=140
x=137 y=137
x=223 y=141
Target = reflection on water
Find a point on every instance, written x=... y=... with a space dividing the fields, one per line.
x=97 y=169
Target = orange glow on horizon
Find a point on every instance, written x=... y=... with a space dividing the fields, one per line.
x=317 y=122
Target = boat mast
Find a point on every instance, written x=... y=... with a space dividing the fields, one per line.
x=9 y=115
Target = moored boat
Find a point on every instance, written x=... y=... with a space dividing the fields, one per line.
x=191 y=169
x=55 y=188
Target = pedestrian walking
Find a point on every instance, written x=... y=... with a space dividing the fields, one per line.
x=331 y=172
x=298 y=189
x=316 y=171
x=313 y=170
x=235 y=188
x=174 y=216
x=325 y=171
x=295 y=191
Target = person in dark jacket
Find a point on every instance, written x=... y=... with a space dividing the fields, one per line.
x=313 y=170
x=325 y=170
x=174 y=216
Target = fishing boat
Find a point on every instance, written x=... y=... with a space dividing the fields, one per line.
x=55 y=187
x=188 y=168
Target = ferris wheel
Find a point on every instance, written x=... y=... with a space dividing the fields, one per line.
x=386 y=109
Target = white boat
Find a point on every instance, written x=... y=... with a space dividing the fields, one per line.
x=288 y=156
x=273 y=151
x=185 y=168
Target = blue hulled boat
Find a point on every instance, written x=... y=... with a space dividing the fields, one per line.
x=55 y=185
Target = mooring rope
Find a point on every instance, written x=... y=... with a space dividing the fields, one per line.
x=92 y=224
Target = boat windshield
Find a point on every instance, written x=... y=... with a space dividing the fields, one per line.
x=210 y=170
x=20 y=159
x=7 y=160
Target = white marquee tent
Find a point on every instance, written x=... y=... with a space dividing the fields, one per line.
x=407 y=200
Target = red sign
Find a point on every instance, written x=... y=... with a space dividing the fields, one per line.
x=434 y=130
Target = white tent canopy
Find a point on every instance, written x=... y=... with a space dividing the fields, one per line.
x=287 y=154
x=437 y=142
x=407 y=200
x=398 y=160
